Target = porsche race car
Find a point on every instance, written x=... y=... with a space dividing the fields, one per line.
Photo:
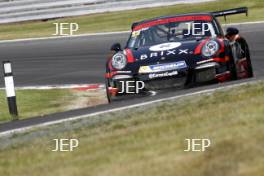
x=181 y=50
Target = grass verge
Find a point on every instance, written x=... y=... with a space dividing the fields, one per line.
x=150 y=141
x=118 y=21
x=42 y=102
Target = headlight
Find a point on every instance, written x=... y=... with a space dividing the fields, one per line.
x=210 y=48
x=119 y=61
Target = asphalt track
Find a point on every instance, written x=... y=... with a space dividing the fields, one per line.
x=82 y=60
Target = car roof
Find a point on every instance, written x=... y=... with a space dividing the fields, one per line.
x=165 y=17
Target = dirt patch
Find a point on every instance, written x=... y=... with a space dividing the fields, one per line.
x=87 y=98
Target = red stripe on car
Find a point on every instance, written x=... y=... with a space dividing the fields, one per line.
x=198 y=49
x=219 y=59
x=110 y=75
x=170 y=20
x=224 y=76
x=112 y=91
x=222 y=44
x=130 y=57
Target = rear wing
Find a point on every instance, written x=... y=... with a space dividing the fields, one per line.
x=228 y=12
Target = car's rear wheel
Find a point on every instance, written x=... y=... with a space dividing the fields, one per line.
x=232 y=67
x=249 y=64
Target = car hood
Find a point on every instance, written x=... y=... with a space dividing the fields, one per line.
x=165 y=52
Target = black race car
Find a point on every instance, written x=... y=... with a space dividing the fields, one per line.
x=182 y=50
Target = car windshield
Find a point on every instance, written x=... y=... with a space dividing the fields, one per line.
x=171 y=32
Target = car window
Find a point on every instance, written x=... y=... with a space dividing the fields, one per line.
x=171 y=32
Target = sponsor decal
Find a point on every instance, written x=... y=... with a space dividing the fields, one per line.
x=170 y=66
x=185 y=51
x=160 y=75
x=123 y=71
x=163 y=67
x=165 y=53
x=135 y=33
x=145 y=69
x=165 y=46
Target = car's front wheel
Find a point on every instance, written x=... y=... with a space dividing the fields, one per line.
x=107 y=86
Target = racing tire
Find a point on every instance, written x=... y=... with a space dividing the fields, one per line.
x=249 y=64
x=191 y=79
x=107 y=84
x=232 y=65
x=233 y=69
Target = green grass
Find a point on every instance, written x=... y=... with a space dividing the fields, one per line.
x=118 y=21
x=42 y=102
x=150 y=141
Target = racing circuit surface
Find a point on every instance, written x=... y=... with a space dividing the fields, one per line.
x=82 y=60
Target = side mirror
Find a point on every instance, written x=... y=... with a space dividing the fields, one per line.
x=116 y=47
x=231 y=31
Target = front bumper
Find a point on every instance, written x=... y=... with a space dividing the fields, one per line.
x=212 y=71
x=174 y=74
x=203 y=72
x=155 y=80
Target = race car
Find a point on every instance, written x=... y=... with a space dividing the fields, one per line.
x=182 y=51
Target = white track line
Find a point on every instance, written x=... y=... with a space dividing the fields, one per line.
x=244 y=23
x=104 y=33
x=24 y=129
x=64 y=37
